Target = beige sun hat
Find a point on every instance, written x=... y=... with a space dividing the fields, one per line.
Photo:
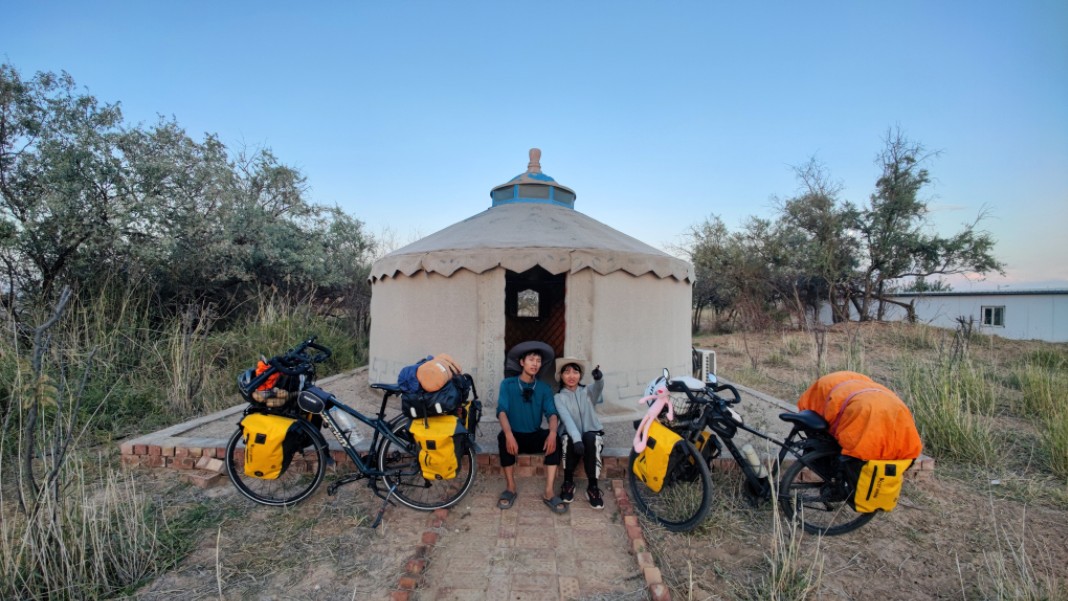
x=564 y=361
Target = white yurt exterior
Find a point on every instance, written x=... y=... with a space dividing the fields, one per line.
x=531 y=267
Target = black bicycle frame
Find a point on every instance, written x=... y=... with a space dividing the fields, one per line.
x=379 y=427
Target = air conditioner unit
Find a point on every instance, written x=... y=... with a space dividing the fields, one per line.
x=704 y=363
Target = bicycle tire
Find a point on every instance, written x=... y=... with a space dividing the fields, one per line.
x=819 y=502
x=684 y=500
x=404 y=475
x=304 y=474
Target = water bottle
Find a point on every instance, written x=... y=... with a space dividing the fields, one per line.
x=754 y=461
x=347 y=424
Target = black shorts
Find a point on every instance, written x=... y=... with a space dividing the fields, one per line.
x=530 y=443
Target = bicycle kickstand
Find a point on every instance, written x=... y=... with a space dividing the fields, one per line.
x=385 y=503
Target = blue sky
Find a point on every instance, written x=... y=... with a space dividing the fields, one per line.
x=658 y=115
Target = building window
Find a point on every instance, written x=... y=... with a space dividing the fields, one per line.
x=528 y=304
x=994 y=316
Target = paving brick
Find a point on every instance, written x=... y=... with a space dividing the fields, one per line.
x=534 y=581
x=652 y=575
x=205 y=480
x=211 y=464
x=400 y=596
x=408 y=583
x=140 y=449
x=126 y=448
x=182 y=463
x=659 y=592
x=430 y=538
x=569 y=588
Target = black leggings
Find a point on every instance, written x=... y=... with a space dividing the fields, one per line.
x=591 y=458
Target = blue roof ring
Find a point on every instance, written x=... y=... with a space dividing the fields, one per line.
x=533 y=186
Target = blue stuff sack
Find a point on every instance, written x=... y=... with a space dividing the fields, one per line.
x=407 y=380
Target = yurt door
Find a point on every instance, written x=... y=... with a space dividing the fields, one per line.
x=534 y=308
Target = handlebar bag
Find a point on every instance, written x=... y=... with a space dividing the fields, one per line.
x=270 y=442
x=662 y=451
x=440 y=441
x=879 y=484
x=278 y=390
x=445 y=401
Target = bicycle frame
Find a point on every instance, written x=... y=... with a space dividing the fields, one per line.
x=381 y=432
x=717 y=415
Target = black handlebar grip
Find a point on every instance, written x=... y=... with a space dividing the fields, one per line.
x=324 y=352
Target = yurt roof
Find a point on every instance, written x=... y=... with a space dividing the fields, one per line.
x=531 y=222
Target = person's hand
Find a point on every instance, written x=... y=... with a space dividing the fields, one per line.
x=596 y=373
x=510 y=444
x=550 y=444
x=580 y=449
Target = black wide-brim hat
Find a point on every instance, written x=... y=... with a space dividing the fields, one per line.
x=511 y=363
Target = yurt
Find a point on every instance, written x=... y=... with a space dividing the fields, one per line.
x=531 y=267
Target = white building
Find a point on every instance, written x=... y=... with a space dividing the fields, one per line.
x=1019 y=314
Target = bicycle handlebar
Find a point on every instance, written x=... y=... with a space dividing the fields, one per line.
x=295 y=361
x=734 y=392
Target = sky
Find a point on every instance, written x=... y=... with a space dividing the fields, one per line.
x=658 y=114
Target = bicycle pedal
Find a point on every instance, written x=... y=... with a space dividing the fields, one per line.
x=332 y=489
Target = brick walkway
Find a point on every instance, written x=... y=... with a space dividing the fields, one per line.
x=529 y=553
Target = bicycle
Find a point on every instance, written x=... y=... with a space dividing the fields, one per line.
x=390 y=464
x=816 y=486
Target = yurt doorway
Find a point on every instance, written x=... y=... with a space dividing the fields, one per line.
x=534 y=308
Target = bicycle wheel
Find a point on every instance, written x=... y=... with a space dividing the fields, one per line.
x=686 y=496
x=304 y=474
x=405 y=477
x=813 y=490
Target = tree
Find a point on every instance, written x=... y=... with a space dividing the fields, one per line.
x=826 y=254
x=60 y=178
x=83 y=197
x=892 y=228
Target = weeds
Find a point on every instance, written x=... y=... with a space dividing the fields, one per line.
x=95 y=539
x=953 y=411
x=1011 y=573
x=1044 y=384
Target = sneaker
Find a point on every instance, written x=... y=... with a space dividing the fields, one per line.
x=567 y=492
x=594 y=497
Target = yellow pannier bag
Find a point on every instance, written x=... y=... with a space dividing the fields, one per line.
x=651 y=465
x=440 y=445
x=879 y=485
x=267 y=453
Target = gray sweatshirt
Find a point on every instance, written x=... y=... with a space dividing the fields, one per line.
x=576 y=409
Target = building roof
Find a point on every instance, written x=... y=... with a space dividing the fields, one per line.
x=941 y=293
x=532 y=221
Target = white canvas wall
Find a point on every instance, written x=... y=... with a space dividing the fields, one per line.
x=632 y=326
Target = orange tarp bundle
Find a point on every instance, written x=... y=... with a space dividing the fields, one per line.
x=867 y=419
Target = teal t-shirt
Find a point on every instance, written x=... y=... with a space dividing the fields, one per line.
x=525 y=416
